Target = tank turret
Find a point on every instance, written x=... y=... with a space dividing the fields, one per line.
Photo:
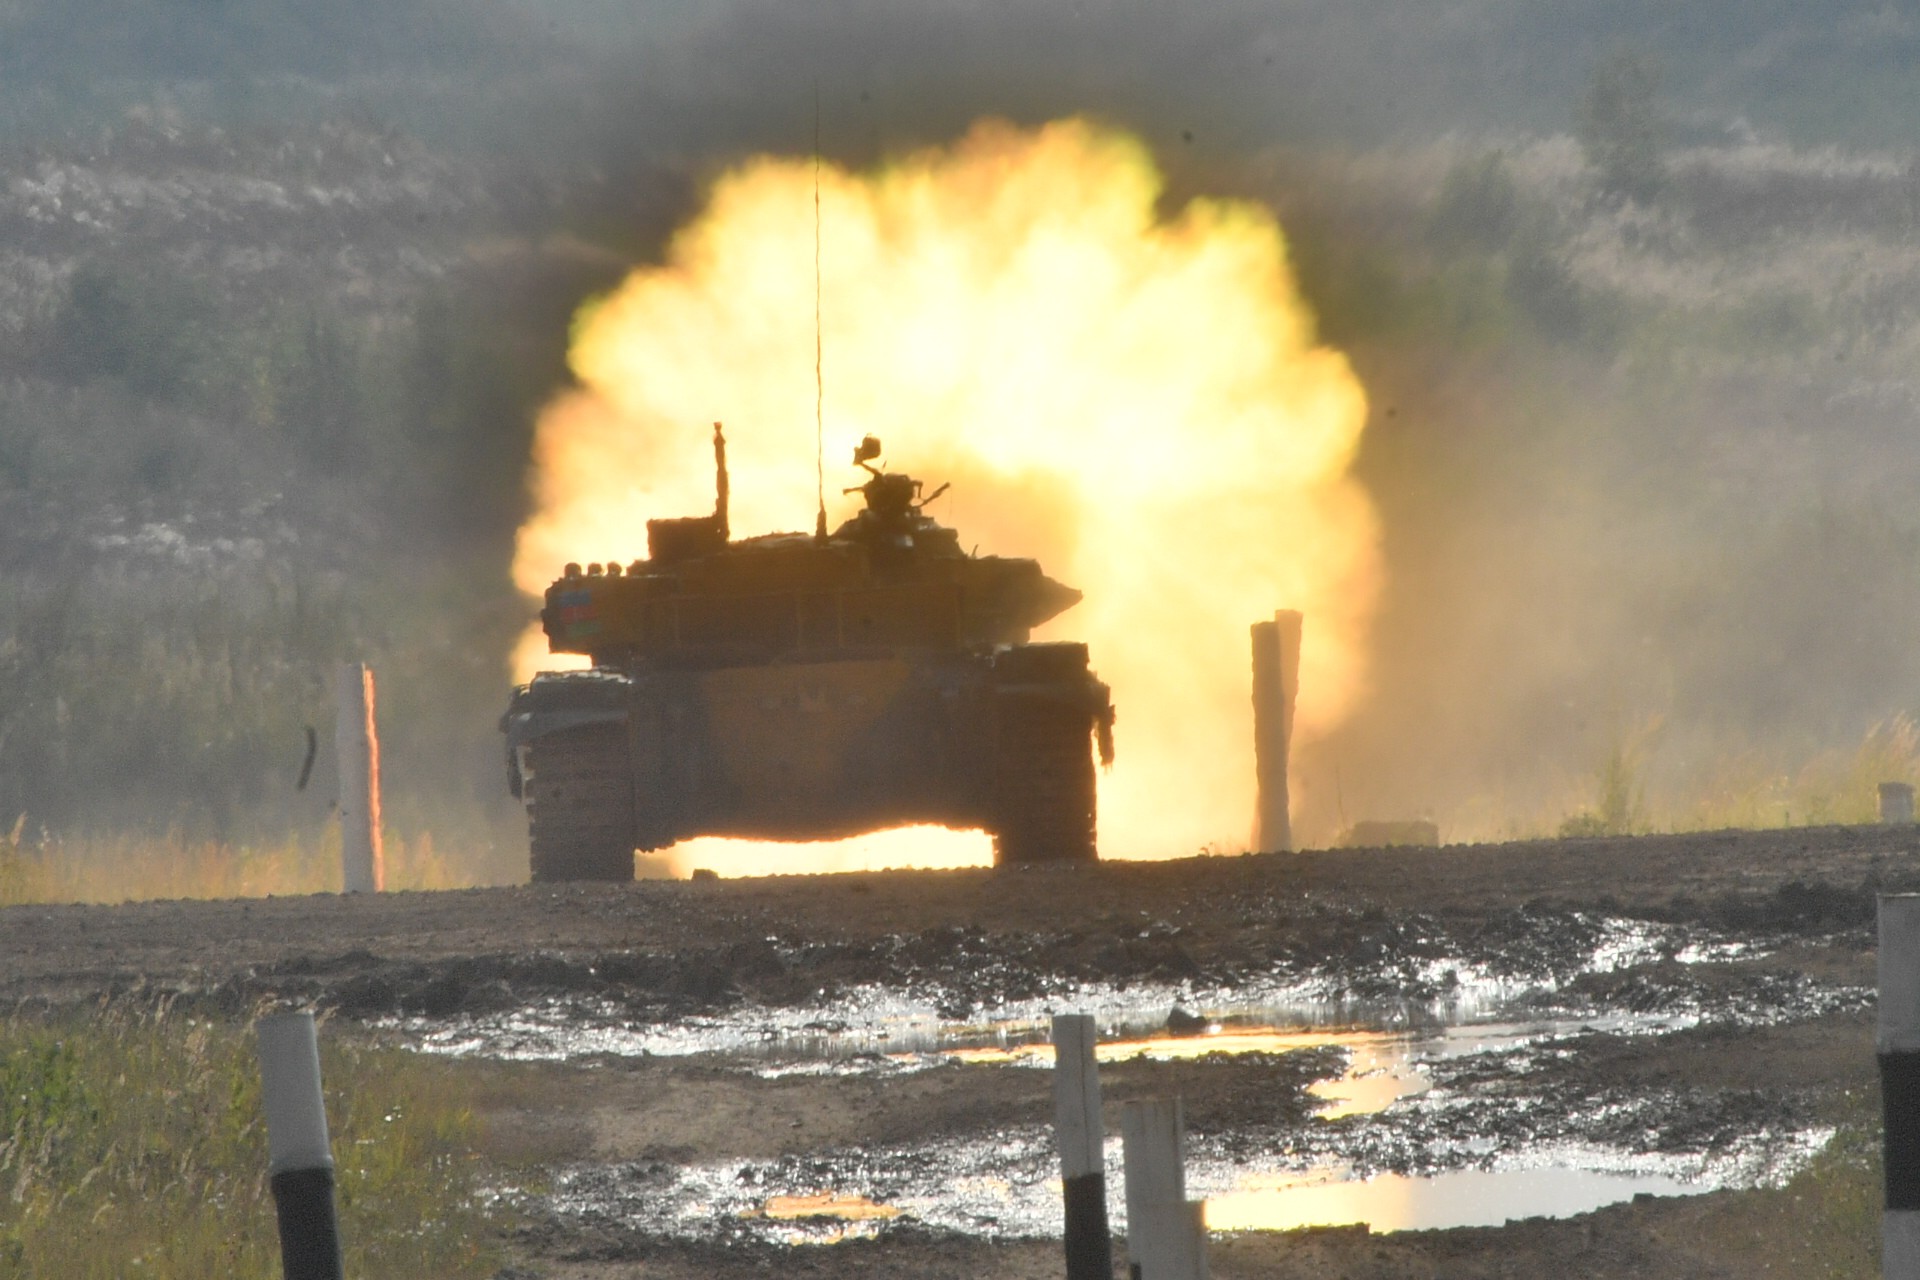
x=890 y=577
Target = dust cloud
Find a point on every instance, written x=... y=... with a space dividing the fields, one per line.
x=1642 y=469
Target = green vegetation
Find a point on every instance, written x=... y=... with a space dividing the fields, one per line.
x=1824 y=1223
x=134 y=1145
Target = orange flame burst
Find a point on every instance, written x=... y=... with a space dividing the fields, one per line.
x=1138 y=402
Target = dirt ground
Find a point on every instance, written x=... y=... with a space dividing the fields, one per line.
x=664 y=950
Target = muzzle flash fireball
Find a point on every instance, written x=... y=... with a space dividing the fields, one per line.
x=804 y=687
x=1129 y=391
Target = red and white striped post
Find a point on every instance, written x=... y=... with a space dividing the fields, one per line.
x=1898 y=1047
x=356 y=742
x=1082 y=1137
x=299 y=1159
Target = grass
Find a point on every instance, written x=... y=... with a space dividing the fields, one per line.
x=1824 y=1224
x=1832 y=787
x=131 y=868
x=132 y=1144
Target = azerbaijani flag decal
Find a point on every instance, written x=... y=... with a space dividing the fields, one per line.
x=574 y=614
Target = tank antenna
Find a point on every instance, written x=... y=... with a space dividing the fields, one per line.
x=819 y=382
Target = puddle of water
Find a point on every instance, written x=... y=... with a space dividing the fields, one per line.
x=1005 y=1186
x=1379 y=1073
x=822 y=1218
x=1550 y=1181
x=1217 y=1039
x=878 y=1028
x=1487 y=1154
x=1382 y=1067
x=1461 y=1198
x=870 y=1036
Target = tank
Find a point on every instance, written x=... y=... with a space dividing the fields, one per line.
x=802 y=686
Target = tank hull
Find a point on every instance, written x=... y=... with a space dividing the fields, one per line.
x=810 y=750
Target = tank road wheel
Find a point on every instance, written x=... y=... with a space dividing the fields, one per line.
x=1043 y=782
x=579 y=791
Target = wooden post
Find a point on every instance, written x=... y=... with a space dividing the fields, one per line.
x=1082 y=1137
x=1166 y=1233
x=1276 y=680
x=1898 y=1047
x=1175 y=1248
x=299 y=1160
x=356 y=743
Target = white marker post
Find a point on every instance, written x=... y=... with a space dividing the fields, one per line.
x=1175 y=1242
x=1166 y=1233
x=356 y=743
x=299 y=1160
x=1081 y=1135
x=1898 y=1046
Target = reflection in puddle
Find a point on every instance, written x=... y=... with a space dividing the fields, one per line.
x=823 y=1218
x=1380 y=1072
x=1382 y=1067
x=1462 y=1198
x=827 y=1205
x=1216 y=1039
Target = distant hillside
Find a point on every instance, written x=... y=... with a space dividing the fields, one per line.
x=1234 y=73
x=264 y=403
x=282 y=286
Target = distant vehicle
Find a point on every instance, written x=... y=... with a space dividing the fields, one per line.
x=804 y=687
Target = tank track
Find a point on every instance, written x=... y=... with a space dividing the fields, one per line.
x=1044 y=791
x=579 y=794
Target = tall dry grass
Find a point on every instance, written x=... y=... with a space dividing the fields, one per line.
x=1748 y=791
x=132 y=868
x=1834 y=786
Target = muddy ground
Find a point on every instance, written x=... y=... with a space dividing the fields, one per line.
x=1746 y=958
